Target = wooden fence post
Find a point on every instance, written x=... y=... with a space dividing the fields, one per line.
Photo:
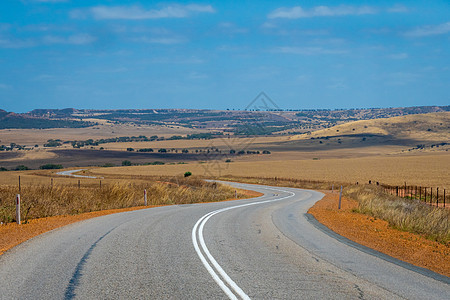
x=18 y=209
x=340 y=197
x=437 y=196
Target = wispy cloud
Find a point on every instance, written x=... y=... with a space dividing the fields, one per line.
x=398 y=56
x=398 y=8
x=16 y=43
x=308 y=50
x=76 y=39
x=159 y=40
x=231 y=28
x=298 y=12
x=429 y=30
x=50 y=1
x=139 y=13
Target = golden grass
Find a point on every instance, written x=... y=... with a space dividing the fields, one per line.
x=420 y=170
x=423 y=127
x=405 y=214
x=40 y=201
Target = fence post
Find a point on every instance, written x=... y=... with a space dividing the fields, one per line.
x=425 y=195
x=420 y=193
x=79 y=185
x=145 y=197
x=444 y=198
x=431 y=195
x=100 y=184
x=340 y=197
x=437 y=196
x=332 y=188
x=52 y=182
x=18 y=209
x=19 y=185
x=235 y=194
x=397 y=190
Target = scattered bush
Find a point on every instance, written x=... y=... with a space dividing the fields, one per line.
x=2 y=169
x=187 y=174
x=21 y=168
x=126 y=163
x=50 y=167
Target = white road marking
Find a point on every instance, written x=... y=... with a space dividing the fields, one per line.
x=223 y=279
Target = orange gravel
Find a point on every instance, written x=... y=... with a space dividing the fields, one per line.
x=378 y=235
x=13 y=234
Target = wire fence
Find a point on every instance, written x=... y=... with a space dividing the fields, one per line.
x=431 y=195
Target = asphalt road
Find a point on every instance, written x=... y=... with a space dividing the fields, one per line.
x=261 y=248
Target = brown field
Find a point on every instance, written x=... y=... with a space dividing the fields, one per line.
x=424 y=170
x=30 y=137
x=433 y=127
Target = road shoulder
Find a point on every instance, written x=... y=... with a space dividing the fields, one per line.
x=378 y=235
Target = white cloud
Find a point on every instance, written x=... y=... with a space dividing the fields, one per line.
x=308 y=50
x=76 y=39
x=196 y=75
x=398 y=8
x=159 y=40
x=231 y=28
x=298 y=12
x=429 y=30
x=398 y=56
x=50 y=1
x=138 y=13
x=16 y=44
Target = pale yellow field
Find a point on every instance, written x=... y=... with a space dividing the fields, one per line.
x=30 y=137
x=424 y=170
x=423 y=127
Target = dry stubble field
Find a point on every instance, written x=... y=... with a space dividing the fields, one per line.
x=424 y=170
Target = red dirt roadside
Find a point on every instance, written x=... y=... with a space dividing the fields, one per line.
x=378 y=235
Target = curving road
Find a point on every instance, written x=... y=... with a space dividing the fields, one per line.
x=261 y=248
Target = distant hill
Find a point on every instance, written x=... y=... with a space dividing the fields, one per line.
x=239 y=122
x=431 y=128
x=10 y=120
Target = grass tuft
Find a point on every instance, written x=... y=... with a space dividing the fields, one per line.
x=405 y=214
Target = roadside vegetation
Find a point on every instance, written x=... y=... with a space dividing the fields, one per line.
x=38 y=201
x=410 y=215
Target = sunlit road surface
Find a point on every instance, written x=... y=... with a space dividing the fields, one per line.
x=260 y=248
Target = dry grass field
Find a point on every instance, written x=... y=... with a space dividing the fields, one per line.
x=30 y=137
x=424 y=170
x=433 y=127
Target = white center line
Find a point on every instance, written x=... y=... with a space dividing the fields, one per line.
x=216 y=271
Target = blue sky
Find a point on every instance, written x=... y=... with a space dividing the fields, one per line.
x=221 y=54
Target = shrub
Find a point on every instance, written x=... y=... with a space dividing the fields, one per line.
x=21 y=168
x=2 y=169
x=50 y=167
x=126 y=163
x=187 y=174
x=130 y=149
